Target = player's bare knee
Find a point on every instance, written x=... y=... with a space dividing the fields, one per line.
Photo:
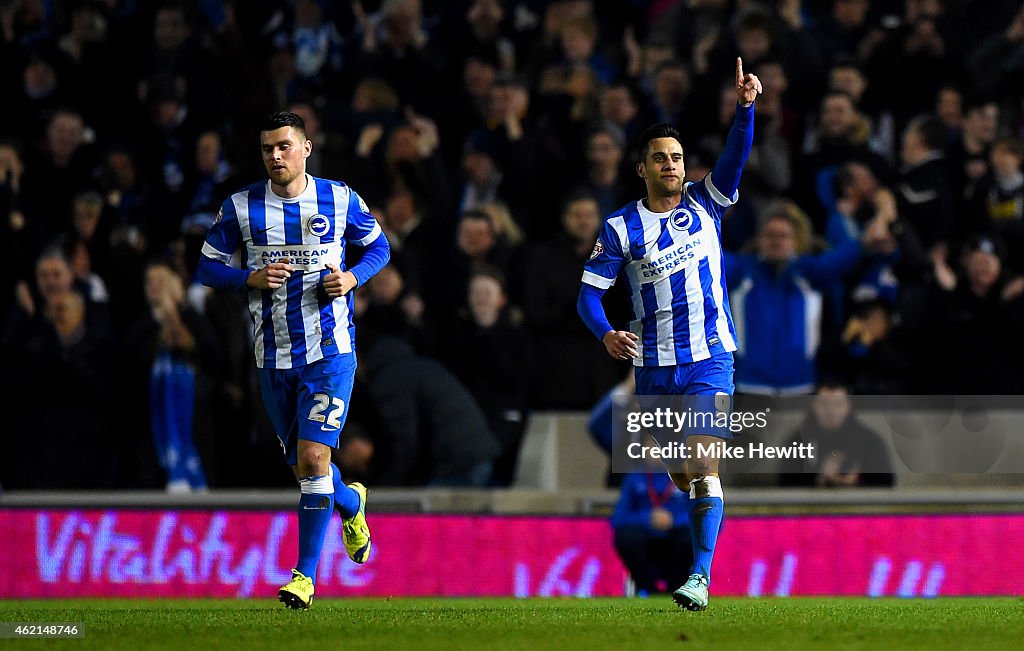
x=313 y=461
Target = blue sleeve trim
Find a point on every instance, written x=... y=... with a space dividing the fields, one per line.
x=730 y=164
x=220 y=276
x=376 y=256
x=592 y=312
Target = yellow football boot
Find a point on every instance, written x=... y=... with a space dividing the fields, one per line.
x=355 y=529
x=297 y=593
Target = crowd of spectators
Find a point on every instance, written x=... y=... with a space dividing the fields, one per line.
x=878 y=237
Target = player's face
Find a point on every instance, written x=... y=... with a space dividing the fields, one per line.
x=284 y=154
x=663 y=168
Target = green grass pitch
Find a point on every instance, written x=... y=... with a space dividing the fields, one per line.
x=587 y=624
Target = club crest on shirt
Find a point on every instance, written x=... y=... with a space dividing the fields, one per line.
x=598 y=249
x=317 y=225
x=681 y=219
x=220 y=216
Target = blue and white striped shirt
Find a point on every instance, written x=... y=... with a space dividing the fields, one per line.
x=297 y=324
x=675 y=275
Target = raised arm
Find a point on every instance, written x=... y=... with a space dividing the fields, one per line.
x=726 y=173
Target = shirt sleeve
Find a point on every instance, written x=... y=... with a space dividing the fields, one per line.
x=375 y=257
x=590 y=309
x=222 y=240
x=720 y=188
x=606 y=260
x=225 y=236
x=221 y=276
x=724 y=179
x=361 y=228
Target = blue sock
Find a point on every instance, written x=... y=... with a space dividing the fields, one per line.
x=346 y=500
x=706 y=509
x=315 y=508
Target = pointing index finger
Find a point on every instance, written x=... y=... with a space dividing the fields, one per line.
x=739 y=71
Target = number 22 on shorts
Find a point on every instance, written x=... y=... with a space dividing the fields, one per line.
x=333 y=418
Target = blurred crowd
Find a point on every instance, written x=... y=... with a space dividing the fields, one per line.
x=878 y=239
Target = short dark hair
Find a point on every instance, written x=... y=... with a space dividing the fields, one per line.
x=653 y=132
x=283 y=119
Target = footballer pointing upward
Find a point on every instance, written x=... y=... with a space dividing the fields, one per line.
x=667 y=248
